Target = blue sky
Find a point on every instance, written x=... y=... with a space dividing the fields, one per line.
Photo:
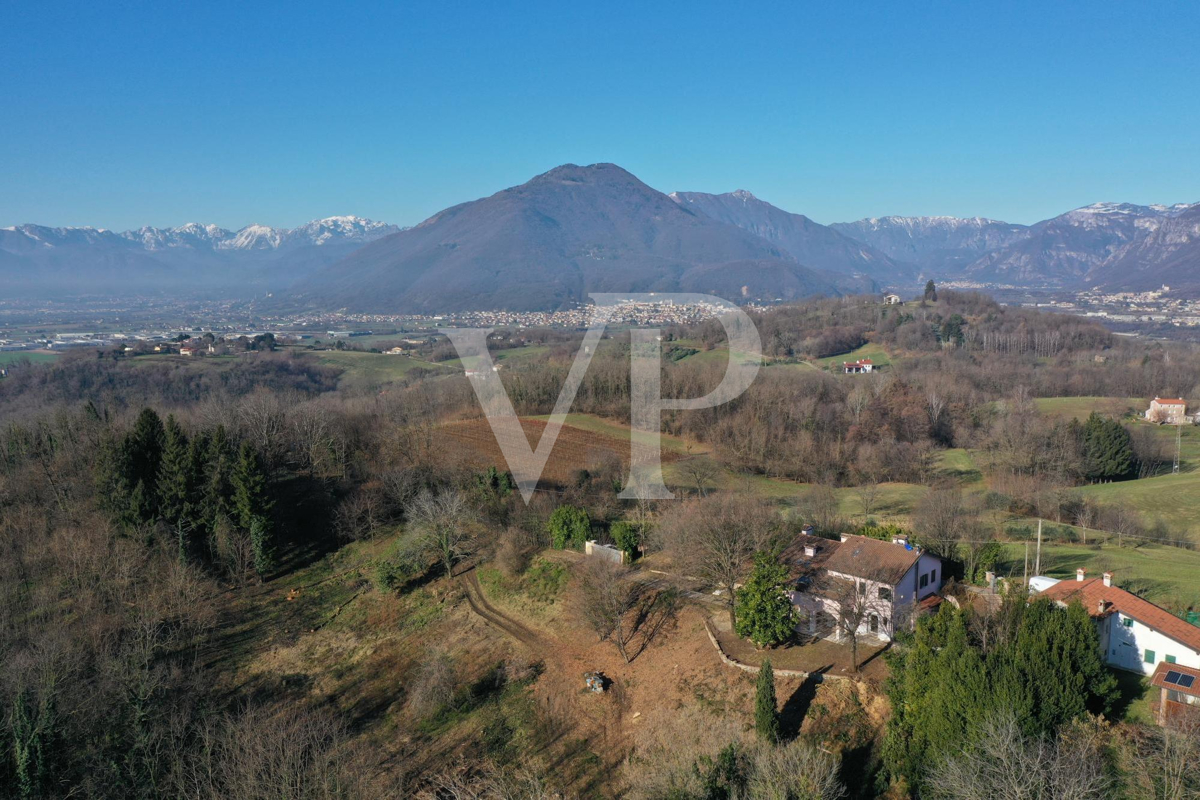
x=124 y=114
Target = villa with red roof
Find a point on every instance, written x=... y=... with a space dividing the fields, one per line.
x=1168 y=410
x=1136 y=635
x=857 y=367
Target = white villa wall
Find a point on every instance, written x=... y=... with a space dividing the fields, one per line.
x=1125 y=647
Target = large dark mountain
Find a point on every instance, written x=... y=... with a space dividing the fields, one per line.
x=937 y=246
x=810 y=243
x=192 y=259
x=547 y=243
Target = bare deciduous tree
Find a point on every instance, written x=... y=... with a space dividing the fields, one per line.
x=1004 y=764
x=445 y=524
x=608 y=596
x=715 y=538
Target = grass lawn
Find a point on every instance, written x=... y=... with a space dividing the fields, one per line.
x=519 y=355
x=1174 y=499
x=1166 y=575
x=365 y=370
x=873 y=351
x=34 y=356
x=1080 y=407
x=958 y=463
x=1136 y=696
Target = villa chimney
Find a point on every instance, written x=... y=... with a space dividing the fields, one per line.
x=1108 y=579
x=1103 y=606
x=1079 y=573
x=899 y=538
x=844 y=537
x=810 y=550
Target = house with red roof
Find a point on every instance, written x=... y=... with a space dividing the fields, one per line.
x=1136 y=635
x=857 y=367
x=1168 y=411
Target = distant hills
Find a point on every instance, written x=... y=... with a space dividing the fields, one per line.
x=807 y=241
x=193 y=259
x=547 y=243
x=937 y=246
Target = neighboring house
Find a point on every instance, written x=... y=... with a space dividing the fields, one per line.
x=1178 y=692
x=881 y=585
x=891 y=299
x=856 y=367
x=1135 y=634
x=1168 y=410
x=194 y=347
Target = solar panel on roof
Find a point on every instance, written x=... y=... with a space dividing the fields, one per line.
x=1179 y=679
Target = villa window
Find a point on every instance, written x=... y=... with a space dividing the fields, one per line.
x=885 y=593
x=924 y=581
x=1127 y=622
x=1149 y=657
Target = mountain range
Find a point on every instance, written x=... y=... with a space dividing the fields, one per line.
x=577 y=229
x=191 y=259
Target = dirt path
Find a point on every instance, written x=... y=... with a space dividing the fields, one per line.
x=469 y=582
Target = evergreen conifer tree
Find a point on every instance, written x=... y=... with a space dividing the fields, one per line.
x=766 y=713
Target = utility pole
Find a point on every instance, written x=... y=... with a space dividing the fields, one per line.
x=1027 y=568
x=1037 y=569
x=1178 y=445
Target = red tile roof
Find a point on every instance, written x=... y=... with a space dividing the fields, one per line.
x=1174 y=401
x=1160 y=675
x=1090 y=592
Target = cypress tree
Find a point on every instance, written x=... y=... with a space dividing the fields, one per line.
x=766 y=715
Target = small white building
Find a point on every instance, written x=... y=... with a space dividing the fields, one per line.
x=886 y=583
x=1135 y=634
x=892 y=299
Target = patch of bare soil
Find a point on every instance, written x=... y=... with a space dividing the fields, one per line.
x=473 y=443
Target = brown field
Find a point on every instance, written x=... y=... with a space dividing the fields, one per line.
x=472 y=443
